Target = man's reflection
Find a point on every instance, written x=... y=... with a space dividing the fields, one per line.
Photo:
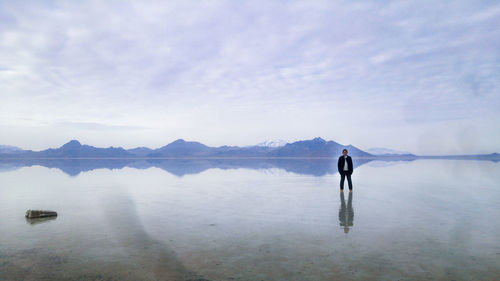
x=346 y=214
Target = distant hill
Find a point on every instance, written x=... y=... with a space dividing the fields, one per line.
x=9 y=149
x=317 y=147
x=74 y=149
x=180 y=148
x=236 y=151
x=140 y=151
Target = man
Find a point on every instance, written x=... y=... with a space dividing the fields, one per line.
x=345 y=169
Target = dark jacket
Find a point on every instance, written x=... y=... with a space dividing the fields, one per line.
x=349 y=164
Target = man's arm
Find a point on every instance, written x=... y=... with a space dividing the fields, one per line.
x=339 y=165
x=351 y=168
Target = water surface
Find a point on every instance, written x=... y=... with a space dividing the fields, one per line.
x=254 y=220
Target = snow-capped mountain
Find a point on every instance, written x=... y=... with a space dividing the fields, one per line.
x=273 y=143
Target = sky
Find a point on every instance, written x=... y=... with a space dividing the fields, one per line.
x=417 y=76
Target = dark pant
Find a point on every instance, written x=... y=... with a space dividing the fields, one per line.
x=342 y=178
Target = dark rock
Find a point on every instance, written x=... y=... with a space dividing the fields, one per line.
x=40 y=214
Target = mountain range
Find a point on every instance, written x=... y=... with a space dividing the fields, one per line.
x=180 y=148
x=314 y=148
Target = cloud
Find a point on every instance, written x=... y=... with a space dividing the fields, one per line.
x=91 y=126
x=226 y=72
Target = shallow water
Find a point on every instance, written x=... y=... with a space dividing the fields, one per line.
x=254 y=220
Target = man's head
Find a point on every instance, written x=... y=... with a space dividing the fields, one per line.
x=344 y=152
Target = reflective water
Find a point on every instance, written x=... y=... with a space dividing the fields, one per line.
x=250 y=219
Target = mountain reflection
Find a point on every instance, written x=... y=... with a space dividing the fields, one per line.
x=181 y=167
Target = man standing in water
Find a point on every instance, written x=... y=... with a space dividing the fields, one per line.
x=345 y=169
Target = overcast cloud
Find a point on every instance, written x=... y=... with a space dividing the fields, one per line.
x=418 y=76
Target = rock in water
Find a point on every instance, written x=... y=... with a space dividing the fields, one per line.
x=32 y=214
